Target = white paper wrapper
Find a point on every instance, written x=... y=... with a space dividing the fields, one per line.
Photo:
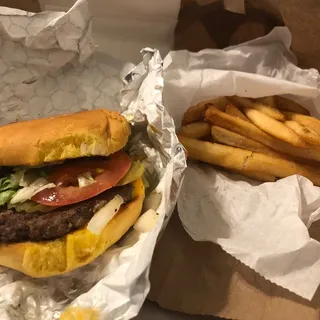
x=42 y=78
x=262 y=225
x=122 y=27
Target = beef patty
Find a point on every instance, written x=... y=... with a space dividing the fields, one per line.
x=21 y=226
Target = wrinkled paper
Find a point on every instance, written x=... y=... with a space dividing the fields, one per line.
x=262 y=225
x=41 y=73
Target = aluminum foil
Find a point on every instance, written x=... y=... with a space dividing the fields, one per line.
x=115 y=285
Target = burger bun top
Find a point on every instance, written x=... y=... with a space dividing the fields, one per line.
x=87 y=133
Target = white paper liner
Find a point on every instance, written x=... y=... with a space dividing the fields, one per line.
x=264 y=226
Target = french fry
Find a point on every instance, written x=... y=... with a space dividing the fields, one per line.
x=195 y=113
x=289 y=105
x=274 y=128
x=268 y=101
x=309 y=135
x=196 y=130
x=241 y=102
x=220 y=103
x=234 y=111
x=246 y=161
x=269 y=111
x=307 y=121
x=233 y=139
x=214 y=153
x=247 y=103
x=315 y=151
x=249 y=130
x=244 y=128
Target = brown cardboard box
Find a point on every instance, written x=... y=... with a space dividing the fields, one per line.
x=200 y=278
x=28 y=5
x=300 y=16
x=214 y=18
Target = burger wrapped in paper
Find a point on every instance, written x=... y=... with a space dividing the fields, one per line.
x=68 y=190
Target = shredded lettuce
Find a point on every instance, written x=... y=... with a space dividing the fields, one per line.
x=29 y=207
x=8 y=188
x=22 y=185
x=6 y=196
x=10 y=182
x=27 y=178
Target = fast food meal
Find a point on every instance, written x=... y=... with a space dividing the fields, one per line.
x=68 y=190
x=263 y=139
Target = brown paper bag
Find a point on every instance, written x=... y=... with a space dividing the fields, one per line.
x=200 y=278
x=228 y=28
x=28 y=5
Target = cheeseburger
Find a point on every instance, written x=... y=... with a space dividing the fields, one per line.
x=68 y=190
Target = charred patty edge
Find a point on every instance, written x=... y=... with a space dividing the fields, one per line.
x=18 y=227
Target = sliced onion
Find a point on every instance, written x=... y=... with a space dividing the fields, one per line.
x=95 y=149
x=27 y=193
x=146 y=222
x=104 y=215
x=152 y=201
x=85 y=179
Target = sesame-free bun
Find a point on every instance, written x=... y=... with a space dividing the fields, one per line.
x=49 y=258
x=31 y=143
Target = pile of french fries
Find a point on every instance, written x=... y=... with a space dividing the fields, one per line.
x=264 y=139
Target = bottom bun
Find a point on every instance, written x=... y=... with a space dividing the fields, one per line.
x=49 y=258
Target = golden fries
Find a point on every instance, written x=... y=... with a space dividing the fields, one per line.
x=274 y=128
x=247 y=103
x=233 y=139
x=289 y=105
x=253 y=138
x=215 y=153
x=246 y=161
x=220 y=103
x=307 y=121
x=241 y=102
x=269 y=111
x=196 y=130
x=268 y=101
x=234 y=111
x=195 y=113
x=247 y=129
x=309 y=135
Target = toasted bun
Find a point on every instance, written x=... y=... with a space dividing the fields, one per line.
x=44 y=259
x=95 y=132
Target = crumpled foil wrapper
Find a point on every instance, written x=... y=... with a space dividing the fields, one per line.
x=41 y=73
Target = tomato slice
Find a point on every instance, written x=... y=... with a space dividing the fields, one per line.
x=106 y=172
